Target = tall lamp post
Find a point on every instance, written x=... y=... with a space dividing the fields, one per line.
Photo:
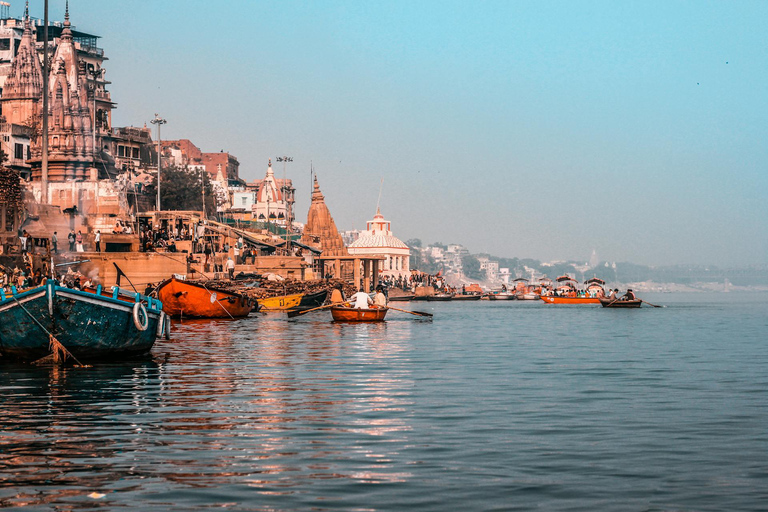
x=285 y=160
x=158 y=121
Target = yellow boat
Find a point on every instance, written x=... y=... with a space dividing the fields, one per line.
x=280 y=303
x=295 y=301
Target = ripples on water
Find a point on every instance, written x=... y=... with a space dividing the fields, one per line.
x=492 y=406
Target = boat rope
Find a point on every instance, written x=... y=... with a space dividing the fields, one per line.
x=56 y=347
x=217 y=302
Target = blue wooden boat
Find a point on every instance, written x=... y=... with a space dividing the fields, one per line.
x=90 y=326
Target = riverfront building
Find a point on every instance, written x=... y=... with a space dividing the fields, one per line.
x=378 y=240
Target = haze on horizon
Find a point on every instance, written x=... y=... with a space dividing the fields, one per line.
x=531 y=129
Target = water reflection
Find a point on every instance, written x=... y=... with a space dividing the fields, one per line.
x=263 y=402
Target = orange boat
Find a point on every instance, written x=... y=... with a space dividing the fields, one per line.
x=185 y=298
x=553 y=299
x=566 y=293
x=344 y=314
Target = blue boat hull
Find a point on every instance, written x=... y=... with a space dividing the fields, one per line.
x=88 y=325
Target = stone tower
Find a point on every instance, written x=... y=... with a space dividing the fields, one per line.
x=23 y=88
x=70 y=130
x=321 y=230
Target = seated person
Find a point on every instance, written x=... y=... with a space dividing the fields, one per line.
x=337 y=294
x=361 y=300
x=380 y=300
x=630 y=295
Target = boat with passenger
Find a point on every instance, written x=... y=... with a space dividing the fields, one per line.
x=350 y=314
x=619 y=303
x=565 y=292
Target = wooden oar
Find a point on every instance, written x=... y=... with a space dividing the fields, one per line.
x=294 y=313
x=417 y=313
x=654 y=305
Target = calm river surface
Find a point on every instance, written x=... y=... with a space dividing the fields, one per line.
x=491 y=406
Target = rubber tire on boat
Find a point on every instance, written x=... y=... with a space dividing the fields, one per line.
x=140 y=316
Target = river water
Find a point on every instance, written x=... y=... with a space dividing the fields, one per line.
x=490 y=406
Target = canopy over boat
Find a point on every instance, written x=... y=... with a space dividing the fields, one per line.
x=595 y=280
x=565 y=278
x=521 y=279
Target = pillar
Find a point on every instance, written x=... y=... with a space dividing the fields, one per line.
x=356 y=271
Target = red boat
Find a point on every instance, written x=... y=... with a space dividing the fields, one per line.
x=192 y=299
x=345 y=314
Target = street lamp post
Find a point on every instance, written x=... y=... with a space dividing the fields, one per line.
x=158 y=121
x=285 y=160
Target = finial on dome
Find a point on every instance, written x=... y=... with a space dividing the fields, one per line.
x=66 y=11
x=26 y=10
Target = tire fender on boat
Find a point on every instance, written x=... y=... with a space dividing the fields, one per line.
x=140 y=316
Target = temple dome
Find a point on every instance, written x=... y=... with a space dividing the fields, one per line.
x=371 y=241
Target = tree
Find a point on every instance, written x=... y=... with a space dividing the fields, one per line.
x=180 y=189
x=471 y=267
x=413 y=243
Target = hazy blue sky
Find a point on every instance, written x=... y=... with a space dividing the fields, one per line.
x=530 y=129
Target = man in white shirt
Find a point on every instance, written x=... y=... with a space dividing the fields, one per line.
x=361 y=300
x=230 y=267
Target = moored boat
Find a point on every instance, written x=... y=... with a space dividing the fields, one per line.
x=467 y=296
x=400 y=298
x=501 y=296
x=183 y=298
x=90 y=326
x=280 y=303
x=617 y=303
x=440 y=297
x=347 y=314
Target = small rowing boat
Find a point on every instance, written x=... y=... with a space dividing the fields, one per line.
x=194 y=299
x=440 y=297
x=614 y=303
x=347 y=314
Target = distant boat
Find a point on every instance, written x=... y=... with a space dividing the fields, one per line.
x=616 y=303
x=501 y=296
x=400 y=298
x=554 y=299
x=345 y=314
x=467 y=296
x=440 y=297
x=192 y=299
x=89 y=326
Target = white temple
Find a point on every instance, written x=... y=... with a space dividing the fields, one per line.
x=378 y=240
x=271 y=205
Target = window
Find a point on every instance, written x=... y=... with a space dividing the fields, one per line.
x=120 y=150
x=18 y=151
x=135 y=153
x=5 y=44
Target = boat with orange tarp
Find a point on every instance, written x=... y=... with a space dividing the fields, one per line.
x=182 y=298
x=566 y=293
x=346 y=314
